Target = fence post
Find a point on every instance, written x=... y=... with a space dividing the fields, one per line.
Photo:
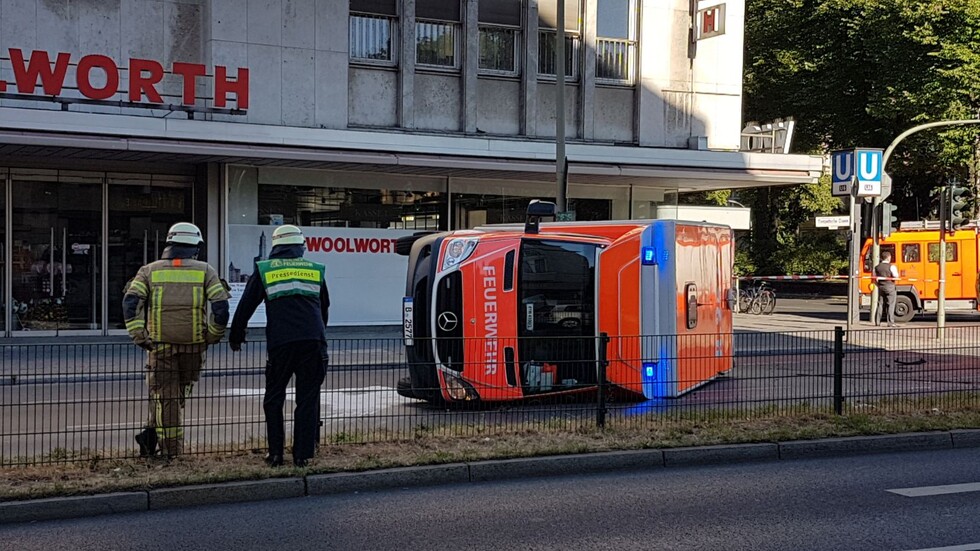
x=838 y=370
x=600 y=414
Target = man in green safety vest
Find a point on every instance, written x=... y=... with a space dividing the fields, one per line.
x=296 y=304
x=166 y=314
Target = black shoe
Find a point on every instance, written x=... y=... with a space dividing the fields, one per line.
x=147 y=440
x=301 y=462
x=273 y=460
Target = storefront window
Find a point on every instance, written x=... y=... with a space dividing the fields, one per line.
x=350 y=222
x=57 y=250
x=141 y=210
x=349 y=207
x=476 y=203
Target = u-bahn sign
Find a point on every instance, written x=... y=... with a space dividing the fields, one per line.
x=857 y=172
x=97 y=79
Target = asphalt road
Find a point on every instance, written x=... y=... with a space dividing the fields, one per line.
x=840 y=503
x=835 y=309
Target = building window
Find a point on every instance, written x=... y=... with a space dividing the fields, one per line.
x=372 y=27
x=548 y=23
x=616 y=42
x=500 y=29
x=436 y=33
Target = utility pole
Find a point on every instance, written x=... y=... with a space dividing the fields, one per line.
x=853 y=282
x=941 y=308
x=560 y=165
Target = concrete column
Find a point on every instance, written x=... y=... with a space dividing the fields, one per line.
x=529 y=78
x=654 y=69
x=586 y=102
x=215 y=230
x=471 y=63
x=406 y=66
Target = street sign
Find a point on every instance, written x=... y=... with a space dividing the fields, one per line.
x=841 y=173
x=867 y=164
x=833 y=222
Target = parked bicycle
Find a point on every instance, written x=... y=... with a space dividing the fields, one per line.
x=758 y=299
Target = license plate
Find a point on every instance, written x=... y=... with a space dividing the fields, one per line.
x=408 y=320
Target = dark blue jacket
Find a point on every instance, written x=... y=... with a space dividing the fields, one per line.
x=288 y=319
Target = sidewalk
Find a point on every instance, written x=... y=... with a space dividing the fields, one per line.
x=481 y=471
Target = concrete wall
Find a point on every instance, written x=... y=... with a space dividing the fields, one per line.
x=498 y=106
x=297 y=54
x=438 y=102
x=614 y=114
x=681 y=96
x=373 y=99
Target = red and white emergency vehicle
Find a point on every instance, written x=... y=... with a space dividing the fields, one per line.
x=507 y=313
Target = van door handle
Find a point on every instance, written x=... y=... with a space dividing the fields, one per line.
x=957 y=273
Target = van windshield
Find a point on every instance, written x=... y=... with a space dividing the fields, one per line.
x=556 y=287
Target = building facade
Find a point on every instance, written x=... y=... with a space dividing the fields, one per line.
x=359 y=120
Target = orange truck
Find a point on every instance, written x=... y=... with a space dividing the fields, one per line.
x=505 y=313
x=915 y=253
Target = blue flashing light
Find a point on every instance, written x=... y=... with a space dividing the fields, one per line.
x=649 y=369
x=649 y=256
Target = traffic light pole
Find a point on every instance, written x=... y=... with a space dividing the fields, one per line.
x=941 y=308
x=876 y=219
x=853 y=307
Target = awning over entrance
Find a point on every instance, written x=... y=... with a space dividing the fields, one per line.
x=37 y=134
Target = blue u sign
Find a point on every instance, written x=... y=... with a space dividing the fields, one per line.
x=842 y=167
x=868 y=165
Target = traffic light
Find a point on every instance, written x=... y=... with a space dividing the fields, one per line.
x=889 y=222
x=957 y=206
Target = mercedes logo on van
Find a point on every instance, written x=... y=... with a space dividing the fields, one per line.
x=447 y=321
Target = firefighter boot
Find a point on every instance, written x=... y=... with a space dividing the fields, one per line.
x=147 y=440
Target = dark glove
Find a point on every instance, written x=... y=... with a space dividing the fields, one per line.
x=142 y=340
x=235 y=346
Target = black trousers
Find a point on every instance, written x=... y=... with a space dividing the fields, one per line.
x=887 y=296
x=306 y=360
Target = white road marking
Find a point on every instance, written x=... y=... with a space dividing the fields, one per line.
x=937 y=490
x=964 y=547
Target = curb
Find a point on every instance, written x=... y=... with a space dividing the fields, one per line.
x=54 y=508
x=475 y=472
x=231 y=492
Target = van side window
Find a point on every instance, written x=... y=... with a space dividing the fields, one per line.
x=867 y=256
x=910 y=253
x=952 y=254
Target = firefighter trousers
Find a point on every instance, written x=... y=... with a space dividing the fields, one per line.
x=171 y=371
x=305 y=360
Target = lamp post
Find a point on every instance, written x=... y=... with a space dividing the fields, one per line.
x=560 y=166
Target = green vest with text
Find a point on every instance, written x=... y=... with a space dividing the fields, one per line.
x=283 y=277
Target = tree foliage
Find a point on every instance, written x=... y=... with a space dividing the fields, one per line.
x=859 y=73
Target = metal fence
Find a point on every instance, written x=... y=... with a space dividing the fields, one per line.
x=66 y=402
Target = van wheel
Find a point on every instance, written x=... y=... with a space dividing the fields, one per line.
x=904 y=311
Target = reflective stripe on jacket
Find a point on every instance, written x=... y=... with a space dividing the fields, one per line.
x=284 y=277
x=173 y=296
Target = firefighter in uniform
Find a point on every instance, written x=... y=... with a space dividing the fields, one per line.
x=296 y=304
x=165 y=309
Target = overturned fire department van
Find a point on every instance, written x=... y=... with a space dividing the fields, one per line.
x=503 y=312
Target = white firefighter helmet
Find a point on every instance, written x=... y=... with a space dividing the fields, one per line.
x=287 y=235
x=185 y=233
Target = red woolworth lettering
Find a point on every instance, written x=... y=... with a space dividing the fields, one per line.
x=26 y=76
x=238 y=86
x=364 y=245
x=84 y=77
x=140 y=84
x=190 y=72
